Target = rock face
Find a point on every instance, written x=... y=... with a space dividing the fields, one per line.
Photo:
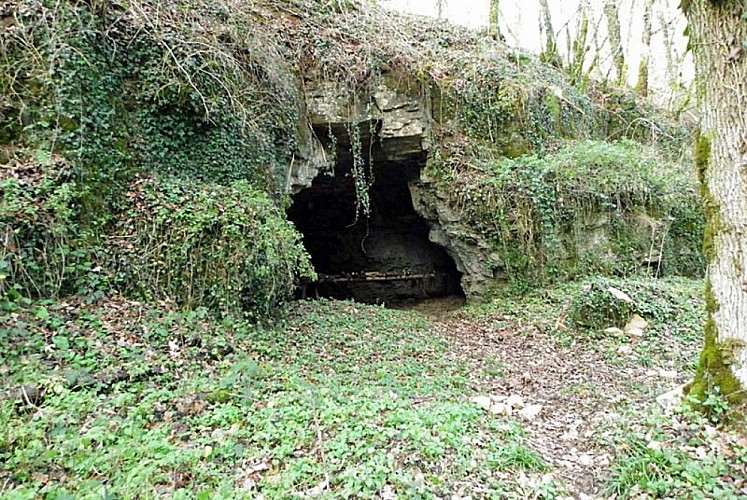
x=467 y=246
x=370 y=246
x=388 y=132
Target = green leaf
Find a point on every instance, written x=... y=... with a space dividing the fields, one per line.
x=61 y=343
x=42 y=313
x=44 y=157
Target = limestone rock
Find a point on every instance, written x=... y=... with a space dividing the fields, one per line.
x=624 y=350
x=501 y=409
x=613 y=331
x=672 y=398
x=620 y=295
x=635 y=323
x=483 y=402
x=515 y=401
x=530 y=412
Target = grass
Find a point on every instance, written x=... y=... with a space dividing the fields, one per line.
x=346 y=399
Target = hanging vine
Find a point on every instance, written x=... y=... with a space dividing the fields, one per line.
x=362 y=177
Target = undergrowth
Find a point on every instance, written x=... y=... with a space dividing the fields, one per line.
x=339 y=398
x=681 y=455
x=227 y=248
x=96 y=96
x=590 y=207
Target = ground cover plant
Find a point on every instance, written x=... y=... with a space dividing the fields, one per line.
x=147 y=344
x=340 y=399
x=348 y=399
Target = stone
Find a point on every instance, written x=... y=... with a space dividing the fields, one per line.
x=530 y=412
x=635 y=332
x=635 y=323
x=515 y=401
x=672 y=398
x=620 y=295
x=501 y=409
x=483 y=402
x=625 y=350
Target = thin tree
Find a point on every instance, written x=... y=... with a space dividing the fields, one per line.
x=718 y=31
x=669 y=52
x=578 y=48
x=611 y=11
x=493 y=27
x=546 y=27
x=550 y=52
x=643 y=66
x=440 y=6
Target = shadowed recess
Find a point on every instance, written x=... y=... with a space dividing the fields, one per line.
x=385 y=258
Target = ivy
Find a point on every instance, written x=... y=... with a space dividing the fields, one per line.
x=531 y=208
x=98 y=96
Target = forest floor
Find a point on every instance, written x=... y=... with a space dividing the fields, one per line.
x=336 y=399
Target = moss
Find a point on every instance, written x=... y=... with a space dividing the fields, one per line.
x=553 y=106
x=714 y=372
x=712 y=213
x=219 y=396
x=702 y=158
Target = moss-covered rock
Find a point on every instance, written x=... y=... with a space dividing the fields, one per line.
x=591 y=207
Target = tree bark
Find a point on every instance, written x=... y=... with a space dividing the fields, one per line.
x=546 y=26
x=717 y=31
x=578 y=49
x=611 y=11
x=440 y=4
x=493 y=27
x=643 y=67
x=669 y=53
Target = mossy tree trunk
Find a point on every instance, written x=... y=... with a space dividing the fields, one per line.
x=551 y=48
x=717 y=32
x=642 y=83
x=611 y=12
x=493 y=27
x=578 y=49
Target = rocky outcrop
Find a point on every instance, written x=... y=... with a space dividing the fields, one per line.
x=394 y=124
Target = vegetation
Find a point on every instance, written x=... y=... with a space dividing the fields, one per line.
x=336 y=399
x=157 y=191
x=147 y=347
x=532 y=209
x=346 y=398
x=719 y=144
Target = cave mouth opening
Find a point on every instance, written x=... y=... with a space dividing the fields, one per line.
x=386 y=258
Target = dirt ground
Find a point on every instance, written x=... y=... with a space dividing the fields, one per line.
x=583 y=384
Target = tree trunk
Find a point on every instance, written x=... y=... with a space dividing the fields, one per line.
x=577 y=49
x=669 y=53
x=546 y=26
x=717 y=32
x=613 y=27
x=440 y=4
x=643 y=69
x=493 y=27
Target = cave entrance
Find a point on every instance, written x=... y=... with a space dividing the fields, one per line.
x=386 y=258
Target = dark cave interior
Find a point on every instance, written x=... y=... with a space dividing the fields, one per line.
x=386 y=258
